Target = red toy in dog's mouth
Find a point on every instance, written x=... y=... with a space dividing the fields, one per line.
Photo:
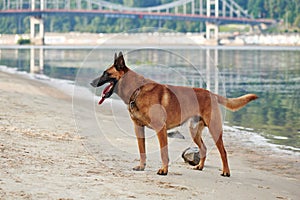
x=106 y=92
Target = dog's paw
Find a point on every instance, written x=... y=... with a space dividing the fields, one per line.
x=198 y=167
x=162 y=171
x=225 y=174
x=139 y=168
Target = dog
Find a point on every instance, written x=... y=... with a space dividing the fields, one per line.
x=163 y=107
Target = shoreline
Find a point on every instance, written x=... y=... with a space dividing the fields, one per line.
x=257 y=140
x=148 y=39
x=42 y=143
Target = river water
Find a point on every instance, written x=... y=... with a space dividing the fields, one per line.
x=273 y=73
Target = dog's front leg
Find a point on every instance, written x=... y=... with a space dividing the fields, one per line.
x=140 y=135
x=163 y=142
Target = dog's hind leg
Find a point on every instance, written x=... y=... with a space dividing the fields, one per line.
x=140 y=135
x=223 y=153
x=196 y=126
x=215 y=129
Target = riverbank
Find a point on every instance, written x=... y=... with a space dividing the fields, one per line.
x=154 y=39
x=44 y=155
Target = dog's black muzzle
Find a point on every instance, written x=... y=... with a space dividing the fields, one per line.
x=105 y=78
x=109 y=90
x=98 y=82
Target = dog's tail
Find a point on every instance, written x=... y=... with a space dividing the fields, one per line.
x=235 y=104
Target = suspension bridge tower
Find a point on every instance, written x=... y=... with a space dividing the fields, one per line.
x=212 y=29
x=37 y=31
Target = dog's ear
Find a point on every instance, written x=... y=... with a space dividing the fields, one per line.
x=119 y=62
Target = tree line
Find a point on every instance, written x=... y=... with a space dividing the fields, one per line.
x=287 y=11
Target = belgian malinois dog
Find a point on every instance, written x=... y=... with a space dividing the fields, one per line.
x=162 y=107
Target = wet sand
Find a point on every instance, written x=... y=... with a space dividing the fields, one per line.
x=46 y=154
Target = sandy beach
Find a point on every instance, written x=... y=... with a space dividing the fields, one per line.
x=50 y=149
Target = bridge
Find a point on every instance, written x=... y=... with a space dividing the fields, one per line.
x=212 y=12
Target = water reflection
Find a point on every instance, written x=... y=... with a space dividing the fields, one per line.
x=36 y=60
x=273 y=75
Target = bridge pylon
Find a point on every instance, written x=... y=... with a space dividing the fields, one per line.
x=37 y=31
x=212 y=29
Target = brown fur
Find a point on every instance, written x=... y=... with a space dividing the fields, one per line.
x=162 y=107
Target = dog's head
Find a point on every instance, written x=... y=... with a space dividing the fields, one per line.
x=111 y=75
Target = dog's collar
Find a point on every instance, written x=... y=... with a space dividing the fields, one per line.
x=135 y=94
x=133 y=98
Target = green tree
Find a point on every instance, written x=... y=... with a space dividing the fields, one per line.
x=297 y=22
